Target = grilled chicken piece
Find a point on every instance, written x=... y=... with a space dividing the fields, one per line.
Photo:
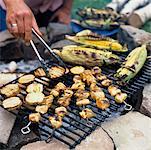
x=34 y=98
x=26 y=79
x=101 y=77
x=81 y=102
x=78 y=86
x=96 y=70
x=87 y=113
x=82 y=94
x=54 y=92
x=103 y=104
x=35 y=87
x=120 y=97
x=94 y=87
x=10 y=90
x=113 y=90
x=39 y=72
x=56 y=121
x=12 y=103
x=56 y=72
x=77 y=78
x=97 y=95
x=34 y=117
x=42 y=109
x=48 y=100
x=61 y=111
x=77 y=70
x=68 y=93
x=64 y=101
x=106 y=82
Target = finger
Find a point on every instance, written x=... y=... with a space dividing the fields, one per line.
x=20 y=23
x=28 y=27
x=35 y=26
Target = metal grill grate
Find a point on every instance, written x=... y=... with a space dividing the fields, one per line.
x=75 y=129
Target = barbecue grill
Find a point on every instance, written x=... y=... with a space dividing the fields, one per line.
x=74 y=128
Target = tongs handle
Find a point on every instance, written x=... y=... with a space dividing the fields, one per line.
x=47 y=46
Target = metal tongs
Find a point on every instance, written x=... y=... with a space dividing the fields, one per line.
x=42 y=61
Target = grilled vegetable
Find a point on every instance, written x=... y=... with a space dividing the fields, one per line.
x=83 y=102
x=113 y=90
x=61 y=111
x=77 y=70
x=35 y=87
x=34 y=117
x=34 y=98
x=132 y=65
x=39 y=72
x=106 y=82
x=87 y=113
x=42 y=109
x=12 y=103
x=87 y=56
x=120 y=97
x=56 y=72
x=103 y=104
x=56 y=121
x=26 y=79
x=91 y=40
x=10 y=90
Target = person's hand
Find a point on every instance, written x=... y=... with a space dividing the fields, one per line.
x=20 y=19
x=62 y=16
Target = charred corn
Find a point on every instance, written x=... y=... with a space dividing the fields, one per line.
x=90 y=39
x=87 y=56
x=133 y=63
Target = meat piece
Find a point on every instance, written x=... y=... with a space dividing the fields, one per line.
x=113 y=90
x=120 y=97
x=56 y=121
x=106 y=82
x=77 y=70
x=78 y=86
x=64 y=101
x=42 y=109
x=83 y=102
x=68 y=93
x=82 y=94
x=26 y=79
x=34 y=98
x=77 y=78
x=54 y=92
x=94 y=87
x=97 y=95
x=61 y=111
x=101 y=77
x=87 y=113
x=34 y=117
x=39 y=72
x=96 y=70
x=12 y=103
x=48 y=100
x=56 y=72
x=103 y=104
x=35 y=87
x=10 y=90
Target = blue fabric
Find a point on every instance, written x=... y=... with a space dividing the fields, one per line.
x=2 y=19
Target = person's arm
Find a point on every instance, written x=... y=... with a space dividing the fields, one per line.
x=20 y=19
x=63 y=14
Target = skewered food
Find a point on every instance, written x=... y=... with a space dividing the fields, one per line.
x=120 y=97
x=56 y=121
x=64 y=101
x=103 y=104
x=82 y=94
x=96 y=70
x=87 y=113
x=48 y=100
x=61 y=111
x=12 y=103
x=10 y=90
x=97 y=95
x=77 y=78
x=87 y=56
x=106 y=82
x=77 y=70
x=113 y=90
x=39 y=72
x=79 y=85
x=42 y=109
x=56 y=72
x=101 y=77
x=34 y=117
x=88 y=38
x=132 y=65
x=81 y=102
x=34 y=98
x=26 y=79
x=35 y=87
